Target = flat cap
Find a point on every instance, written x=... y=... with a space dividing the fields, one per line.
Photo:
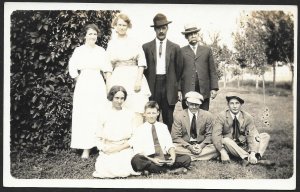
x=194 y=97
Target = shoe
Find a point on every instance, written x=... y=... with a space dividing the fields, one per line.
x=245 y=163
x=266 y=162
x=85 y=154
x=178 y=171
x=225 y=161
x=145 y=173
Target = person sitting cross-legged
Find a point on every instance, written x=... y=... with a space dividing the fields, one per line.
x=152 y=143
x=234 y=132
x=192 y=130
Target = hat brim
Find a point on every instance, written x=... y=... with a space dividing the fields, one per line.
x=193 y=100
x=228 y=98
x=161 y=24
x=192 y=31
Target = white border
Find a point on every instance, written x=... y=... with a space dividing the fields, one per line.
x=9 y=181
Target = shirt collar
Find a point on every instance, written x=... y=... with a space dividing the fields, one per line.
x=191 y=114
x=158 y=41
x=196 y=46
x=237 y=115
x=149 y=124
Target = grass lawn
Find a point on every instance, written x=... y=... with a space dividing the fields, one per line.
x=69 y=165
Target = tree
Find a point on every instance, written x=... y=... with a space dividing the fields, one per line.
x=41 y=89
x=276 y=28
x=249 y=46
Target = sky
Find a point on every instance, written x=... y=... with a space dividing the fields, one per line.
x=211 y=19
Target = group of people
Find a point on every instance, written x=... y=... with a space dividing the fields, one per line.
x=118 y=110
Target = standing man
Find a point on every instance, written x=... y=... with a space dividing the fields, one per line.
x=163 y=69
x=192 y=130
x=199 y=71
x=234 y=132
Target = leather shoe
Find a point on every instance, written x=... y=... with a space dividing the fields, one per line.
x=178 y=171
x=266 y=162
x=145 y=173
x=245 y=163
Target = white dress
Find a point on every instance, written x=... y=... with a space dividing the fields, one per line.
x=117 y=128
x=125 y=56
x=89 y=95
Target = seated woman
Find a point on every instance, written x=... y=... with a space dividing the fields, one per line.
x=116 y=129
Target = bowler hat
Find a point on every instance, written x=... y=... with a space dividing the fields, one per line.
x=228 y=98
x=160 y=20
x=194 y=97
x=190 y=28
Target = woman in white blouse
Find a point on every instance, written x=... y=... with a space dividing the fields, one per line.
x=90 y=90
x=117 y=126
x=128 y=61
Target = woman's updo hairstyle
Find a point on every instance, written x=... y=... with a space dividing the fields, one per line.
x=91 y=26
x=115 y=89
x=124 y=18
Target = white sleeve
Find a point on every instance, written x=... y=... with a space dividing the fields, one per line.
x=141 y=58
x=73 y=70
x=107 y=67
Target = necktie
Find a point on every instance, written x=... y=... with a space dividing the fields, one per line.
x=236 y=129
x=158 y=151
x=193 y=131
x=160 y=48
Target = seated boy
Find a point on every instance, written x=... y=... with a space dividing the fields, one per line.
x=152 y=143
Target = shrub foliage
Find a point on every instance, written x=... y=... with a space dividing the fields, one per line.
x=41 y=88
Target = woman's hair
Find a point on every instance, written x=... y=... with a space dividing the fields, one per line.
x=151 y=105
x=124 y=18
x=91 y=26
x=114 y=89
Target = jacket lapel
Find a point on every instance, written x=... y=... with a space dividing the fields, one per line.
x=168 y=55
x=188 y=51
x=186 y=121
x=229 y=120
x=153 y=51
x=241 y=120
x=199 y=52
x=199 y=121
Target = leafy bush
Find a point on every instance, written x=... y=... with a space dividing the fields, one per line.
x=41 y=88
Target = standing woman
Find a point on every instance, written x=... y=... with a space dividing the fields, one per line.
x=90 y=91
x=128 y=62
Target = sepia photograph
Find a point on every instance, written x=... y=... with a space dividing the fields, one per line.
x=145 y=95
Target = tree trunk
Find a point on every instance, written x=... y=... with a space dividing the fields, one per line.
x=238 y=81
x=264 y=88
x=225 y=77
x=274 y=74
x=292 y=86
x=256 y=81
x=242 y=77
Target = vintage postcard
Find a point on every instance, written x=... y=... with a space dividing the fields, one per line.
x=77 y=77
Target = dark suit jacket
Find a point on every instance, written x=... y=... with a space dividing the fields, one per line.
x=223 y=128
x=173 y=68
x=181 y=127
x=203 y=62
